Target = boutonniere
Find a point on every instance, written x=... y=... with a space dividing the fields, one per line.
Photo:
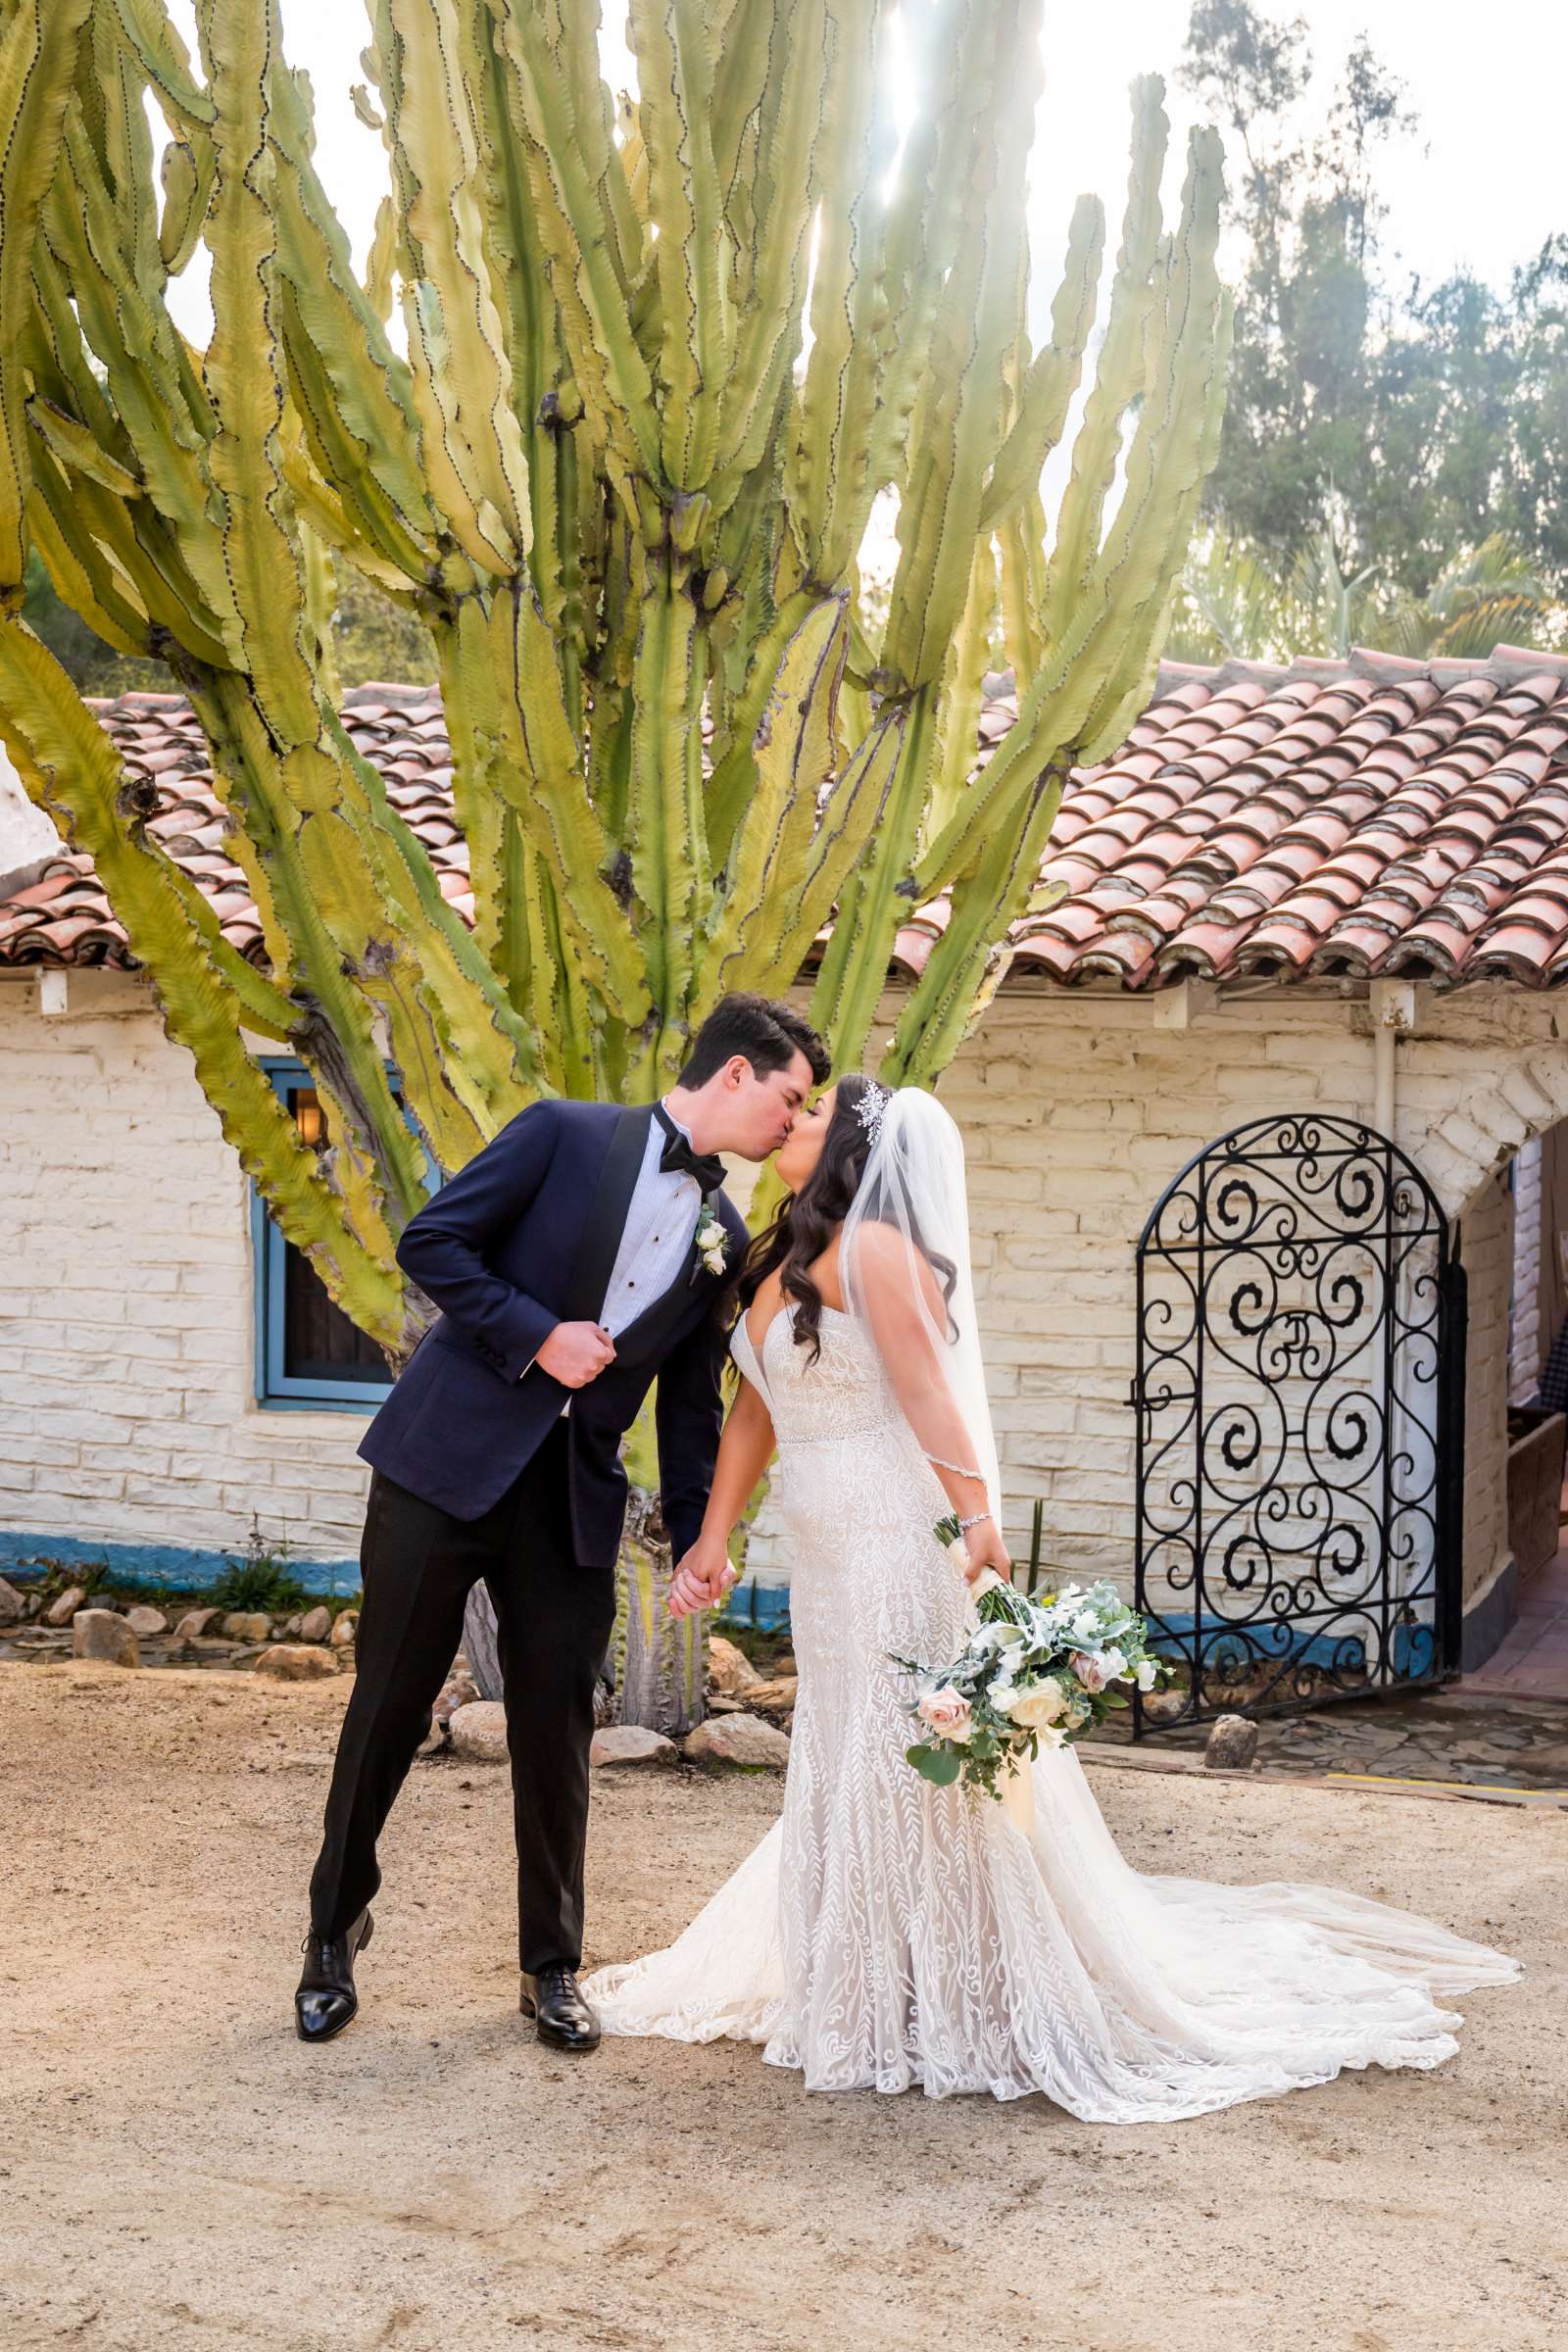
x=713 y=1241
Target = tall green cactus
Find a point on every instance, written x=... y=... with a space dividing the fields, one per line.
x=659 y=364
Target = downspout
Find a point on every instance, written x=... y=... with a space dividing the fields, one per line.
x=1394 y=1008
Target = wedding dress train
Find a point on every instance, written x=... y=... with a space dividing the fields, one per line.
x=887 y=1934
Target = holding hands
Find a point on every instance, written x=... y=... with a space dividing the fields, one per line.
x=703 y=1577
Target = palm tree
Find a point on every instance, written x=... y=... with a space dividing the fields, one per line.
x=1231 y=601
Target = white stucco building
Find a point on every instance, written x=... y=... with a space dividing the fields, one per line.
x=1336 y=891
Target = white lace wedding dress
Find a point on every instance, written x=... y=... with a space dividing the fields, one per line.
x=886 y=1932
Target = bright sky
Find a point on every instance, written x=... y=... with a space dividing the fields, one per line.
x=1481 y=184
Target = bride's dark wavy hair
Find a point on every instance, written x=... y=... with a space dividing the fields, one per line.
x=810 y=1218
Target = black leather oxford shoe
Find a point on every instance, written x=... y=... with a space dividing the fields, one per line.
x=326 y=2000
x=562 y=2016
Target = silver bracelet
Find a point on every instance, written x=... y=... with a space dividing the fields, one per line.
x=956 y=1467
x=964 y=1525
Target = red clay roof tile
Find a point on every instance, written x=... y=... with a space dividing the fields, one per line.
x=1377 y=814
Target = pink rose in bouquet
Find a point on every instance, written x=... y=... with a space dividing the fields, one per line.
x=947 y=1713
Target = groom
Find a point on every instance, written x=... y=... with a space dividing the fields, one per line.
x=574 y=1261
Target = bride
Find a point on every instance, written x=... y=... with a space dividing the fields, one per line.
x=887 y=1933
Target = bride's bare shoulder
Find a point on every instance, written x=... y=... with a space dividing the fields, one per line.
x=883 y=1259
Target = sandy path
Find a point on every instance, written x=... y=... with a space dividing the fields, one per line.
x=179 y=2172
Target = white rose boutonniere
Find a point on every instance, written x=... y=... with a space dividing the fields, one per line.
x=713 y=1241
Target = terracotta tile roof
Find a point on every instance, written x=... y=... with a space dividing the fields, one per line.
x=1371 y=817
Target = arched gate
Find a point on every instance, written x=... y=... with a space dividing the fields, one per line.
x=1299 y=1394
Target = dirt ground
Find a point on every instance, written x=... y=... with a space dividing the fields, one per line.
x=178 y=2171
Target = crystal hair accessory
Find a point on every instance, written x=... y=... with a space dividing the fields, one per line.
x=871 y=1107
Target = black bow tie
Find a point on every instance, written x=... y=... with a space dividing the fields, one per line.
x=678 y=1152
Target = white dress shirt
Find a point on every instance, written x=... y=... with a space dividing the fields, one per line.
x=656 y=1241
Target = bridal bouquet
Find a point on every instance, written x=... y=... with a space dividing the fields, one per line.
x=1034 y=1673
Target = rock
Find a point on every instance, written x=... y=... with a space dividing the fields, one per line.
x=1165 y=1706
x=104 y=1633
x=296 y=1662
x=316 y=1625
x=145 y=1619
x=1232 y=1743
x=194 y=1624
x=460 y=1690
x=631 y=1743
x=291 y=1624
x=744 y=1741
x=479 y=1731
x=776 y=1698
x=12 y=1606
x=345 y=1625
x=246 y=1624
x=731 y=1670
x=62 y=1610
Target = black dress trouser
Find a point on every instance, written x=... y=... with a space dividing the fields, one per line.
x=554 y=1619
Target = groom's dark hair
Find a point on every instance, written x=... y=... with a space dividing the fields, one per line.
x=766 y=1031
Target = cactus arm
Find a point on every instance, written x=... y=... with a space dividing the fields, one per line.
x=963 y=680
x=353 y=391
x=767 y=862
x=830 y=485
x=541 y=774
x=966 y=965
x=801 y=120
x=523 y=292
x=70 y=768
x=493 y=1044
x=672 y=44
x=956 y=421
x=664 y=815
x=472 y=443
x=259 y=545
x=578 y=235
x=76 y=564
x=297 y=873
x=38 y=47
x=731 y=784
x=849 y=987
x=850 y=814
x=1052 y=378
x=1118 y=371
x=167 y=64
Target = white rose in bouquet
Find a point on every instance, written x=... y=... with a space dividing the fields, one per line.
x=1114 y=1663
x=1033 y=1705
x=1147 y=1673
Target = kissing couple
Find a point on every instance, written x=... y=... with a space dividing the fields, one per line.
x=886 y=1932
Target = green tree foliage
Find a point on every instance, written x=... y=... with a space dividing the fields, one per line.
x=1426 y=417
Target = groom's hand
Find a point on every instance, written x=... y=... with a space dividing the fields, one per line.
x=576 y=1353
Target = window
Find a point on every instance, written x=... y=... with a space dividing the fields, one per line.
x=308 y=1352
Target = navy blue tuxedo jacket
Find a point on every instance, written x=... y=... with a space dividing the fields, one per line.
x=524 y=1238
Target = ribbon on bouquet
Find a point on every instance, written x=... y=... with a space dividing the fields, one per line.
x=1016 y=1781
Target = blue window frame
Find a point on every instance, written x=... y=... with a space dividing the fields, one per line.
x=308 y=1352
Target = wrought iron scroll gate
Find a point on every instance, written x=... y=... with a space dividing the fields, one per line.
x=1299 y=1398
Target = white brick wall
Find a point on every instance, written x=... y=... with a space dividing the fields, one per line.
x=126 y=1404
x=127 y=1409
x=1078 y=1110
